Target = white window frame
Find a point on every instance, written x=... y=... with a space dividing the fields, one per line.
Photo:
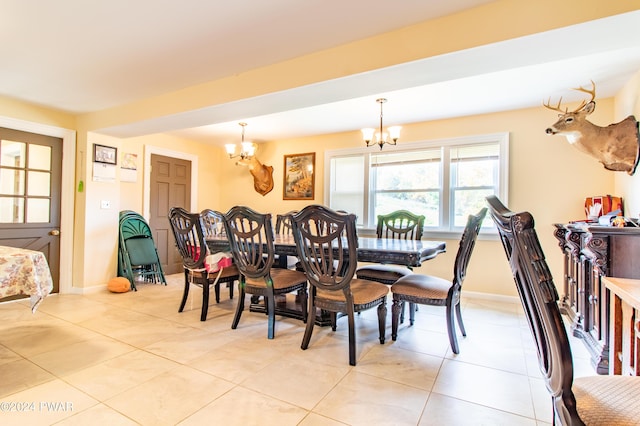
x=445 y=230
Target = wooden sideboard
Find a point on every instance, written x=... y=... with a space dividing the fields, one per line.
x=591 y=252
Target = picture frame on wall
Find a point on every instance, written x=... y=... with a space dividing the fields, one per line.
x=105 y=154
x=299 y=176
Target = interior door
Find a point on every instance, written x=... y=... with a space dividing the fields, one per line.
x=170 y=186
x=30 y=190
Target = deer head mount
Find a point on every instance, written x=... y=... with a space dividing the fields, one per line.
x=615 y=146
x=262 y=175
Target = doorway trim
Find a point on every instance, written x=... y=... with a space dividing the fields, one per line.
x=68 y=190
x=148 y=150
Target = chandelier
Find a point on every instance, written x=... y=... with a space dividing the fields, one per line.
x=389 y=137
x=247 y=149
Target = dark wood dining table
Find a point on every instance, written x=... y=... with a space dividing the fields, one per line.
x=410 y=253
x=370 y=249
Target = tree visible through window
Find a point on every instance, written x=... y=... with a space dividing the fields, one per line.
x=445 y=180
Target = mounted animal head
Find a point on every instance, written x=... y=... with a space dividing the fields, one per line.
x=262 y=175
x=615 y=146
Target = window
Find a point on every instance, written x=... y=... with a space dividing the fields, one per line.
x=444 y=180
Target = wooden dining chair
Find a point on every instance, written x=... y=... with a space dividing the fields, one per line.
x=431 y=290
x=283 y=227
x=400 y=224
x=213 y=227
x=250 y=236
x=191 y=245
x=593 y=400
x=327 y=247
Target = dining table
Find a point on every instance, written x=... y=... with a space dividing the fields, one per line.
x=370 y=249
x=24 y=272
x=410 y=253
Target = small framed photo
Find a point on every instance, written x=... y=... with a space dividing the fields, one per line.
x=105 y=154
x=299 y=176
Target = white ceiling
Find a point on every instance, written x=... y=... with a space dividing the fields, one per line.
x=83 y=56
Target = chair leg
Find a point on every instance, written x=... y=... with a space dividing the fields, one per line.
x=451 y=329
x=185 y=294
x=230 y=285
x=352 y=336
x=382 y=319
x=205 y=301
x=412 y=313
x=311 y=320
x=239 y=307
x=397 y=309
x=270 y=303
x=303 y=297
x=460 y=323
x=216 y=289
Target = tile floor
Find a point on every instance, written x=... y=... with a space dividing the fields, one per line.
x=124 y=359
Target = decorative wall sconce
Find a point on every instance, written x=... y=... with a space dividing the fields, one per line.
x=247 y=149
x=389 y=137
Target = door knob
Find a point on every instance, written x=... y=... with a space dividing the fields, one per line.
x=54 y=232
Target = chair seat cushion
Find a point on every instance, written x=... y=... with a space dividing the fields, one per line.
x=363 y=292
x=386 y=274
x=608 y=400
x=422 y=286
x=282 y=279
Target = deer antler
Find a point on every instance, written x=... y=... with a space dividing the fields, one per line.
x=584 y=103
x=592 y=92
x=557 y=107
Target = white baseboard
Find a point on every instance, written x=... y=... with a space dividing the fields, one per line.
x=490 y=296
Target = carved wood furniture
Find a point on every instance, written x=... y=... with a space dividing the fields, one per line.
x=590 y=253
x=400 y=224
x=624 y=328
x=430 y=290
x=595 y=400
x=250 y=235
x=190 y=243
x=327 y=246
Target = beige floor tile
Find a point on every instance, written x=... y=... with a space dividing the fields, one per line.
x=169 y=397
x=97 y=415
x=81 y=355
x=119 y=374
x=48 y=338
x=444 y=410
x=243 y=407
x=360 y=399
x=486 y=386
x=7 y=355
x=295 y=380
x=401 y=366
x=46 y=404
x=187 y=346
x=313 y=419
x=20 y=375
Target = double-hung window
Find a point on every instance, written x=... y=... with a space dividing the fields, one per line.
x=444 y=180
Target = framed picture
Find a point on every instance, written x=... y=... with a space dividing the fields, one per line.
x=105 y=154
x=299 y=176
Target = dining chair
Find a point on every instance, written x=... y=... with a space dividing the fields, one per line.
x=431 y=290
x=327 y=245
x=212 y=222
x=283 y=227
x=250 y=236
x=400 y=224
x=191 y=245
x=600 y=400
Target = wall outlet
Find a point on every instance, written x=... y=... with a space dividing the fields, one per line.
x=105 y=204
